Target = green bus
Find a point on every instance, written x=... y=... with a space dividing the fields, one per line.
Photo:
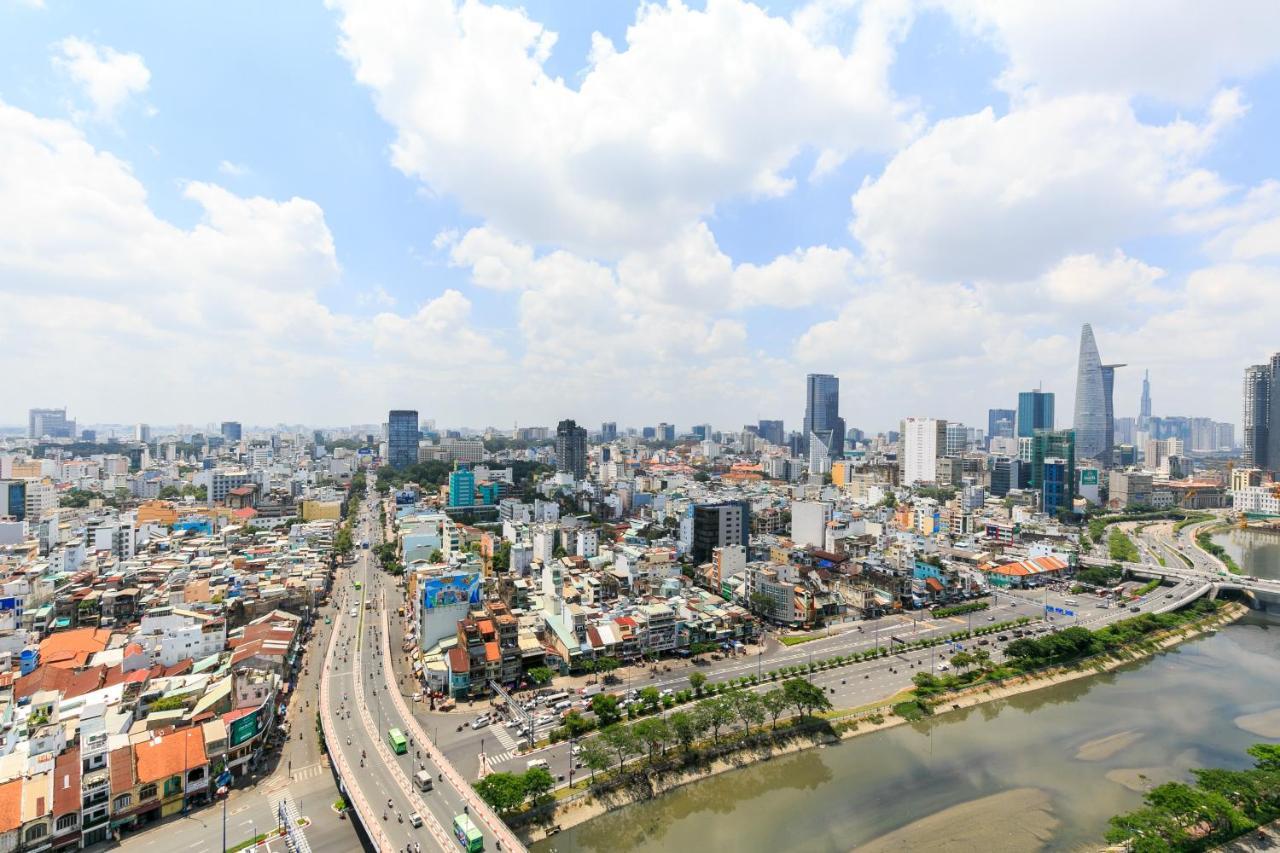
x=396 y=738
x=467 y=834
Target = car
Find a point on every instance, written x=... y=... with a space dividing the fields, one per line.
x=575 y=749
x=415 y=820
x=513 y=724
x=480 y=722
x=1170 y=595
x=667 y=692
x=355 y=611
x=417 y=697
x=1002 y=638
x=991 y=618
x=944 y=666
x=1135 y=609
x=984 y=642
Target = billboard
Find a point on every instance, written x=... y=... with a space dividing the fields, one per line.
x=463 y=587
x=244 y=728
x=1088 y=476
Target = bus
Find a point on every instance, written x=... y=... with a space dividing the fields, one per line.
x=467 y=834
x=396 y=738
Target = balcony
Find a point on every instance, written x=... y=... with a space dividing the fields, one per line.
x=93 y=820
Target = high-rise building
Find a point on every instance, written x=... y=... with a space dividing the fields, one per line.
x=1125 y=430
x=922 y=441
x=571 y=449
x=1035 y=411
x=608 y=431
x=1053 y=444
x=402 y=438
x=1004 y=475
x=648 y=433
x=142 y=432
x=702 y=432
x=706 y=527
x=773 y=432
x=1144 y=405
x=1108 y=390
x=49 y=423
x=667 y=432
x=957 y=439
x=231 y=430
x=822 y=413
x=1273 y=416
x=462 y=485
x=1257 y=415
x=1092 y=422
x=1000 y=423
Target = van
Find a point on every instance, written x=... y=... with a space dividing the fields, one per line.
x=590 y=690
x=423 y=780
x=1071 y=602
x=536 y=762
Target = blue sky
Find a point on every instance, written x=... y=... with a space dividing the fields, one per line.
x=300 y=212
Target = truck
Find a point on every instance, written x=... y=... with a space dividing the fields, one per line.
x=590 y=690
x=423 y=780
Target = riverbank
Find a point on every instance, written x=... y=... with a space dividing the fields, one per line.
x=582 y=807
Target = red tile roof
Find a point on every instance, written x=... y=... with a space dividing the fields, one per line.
x=66 y=782
x=168 y=755
x=11 y=805
x=122 y=777
x=458 y=660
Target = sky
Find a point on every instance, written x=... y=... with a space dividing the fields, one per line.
x=505 y=213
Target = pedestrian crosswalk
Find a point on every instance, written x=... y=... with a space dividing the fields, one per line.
x=504 y=737
x=300 y=774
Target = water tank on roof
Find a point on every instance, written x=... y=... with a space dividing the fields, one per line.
x=29 y=660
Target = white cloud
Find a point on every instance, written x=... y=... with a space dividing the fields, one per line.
x=981 y=197
x=107 y=77
x=1175 y=50
x=658 y=132
x=233 y=170
x=225 y=314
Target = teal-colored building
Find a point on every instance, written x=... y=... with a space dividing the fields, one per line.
x=462 y=486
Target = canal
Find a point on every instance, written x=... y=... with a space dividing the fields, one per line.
x=1040 y=771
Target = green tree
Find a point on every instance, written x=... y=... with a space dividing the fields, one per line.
x=436 y=556
x=775 y=704
x=653 y=733
x=650 y=697
x=621 y=742
x=748 y=708
x=537 y=782
x=502 y=791
x=962 y=661
x=577 y=725
x=697 y=681
x=760 y=604
x=605 y=707
x=683 y=729
x=596 y=755
x=716 y=713
x=540 y=674
x=807 y=698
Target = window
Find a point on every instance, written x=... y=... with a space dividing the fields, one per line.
x=172 y=785
x=67 y=821
x=147 y=792
x=40 y=830
x=124 y=801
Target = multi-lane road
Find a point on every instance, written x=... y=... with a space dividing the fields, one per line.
x=361 y=702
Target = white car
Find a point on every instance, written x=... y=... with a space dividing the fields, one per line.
x=480 y=722
x=355 y=611
x=944 y=666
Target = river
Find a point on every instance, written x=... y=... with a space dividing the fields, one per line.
x=1257 y=551
x=1040 y=771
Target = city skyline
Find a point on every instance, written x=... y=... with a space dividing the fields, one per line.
x=320 y=233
